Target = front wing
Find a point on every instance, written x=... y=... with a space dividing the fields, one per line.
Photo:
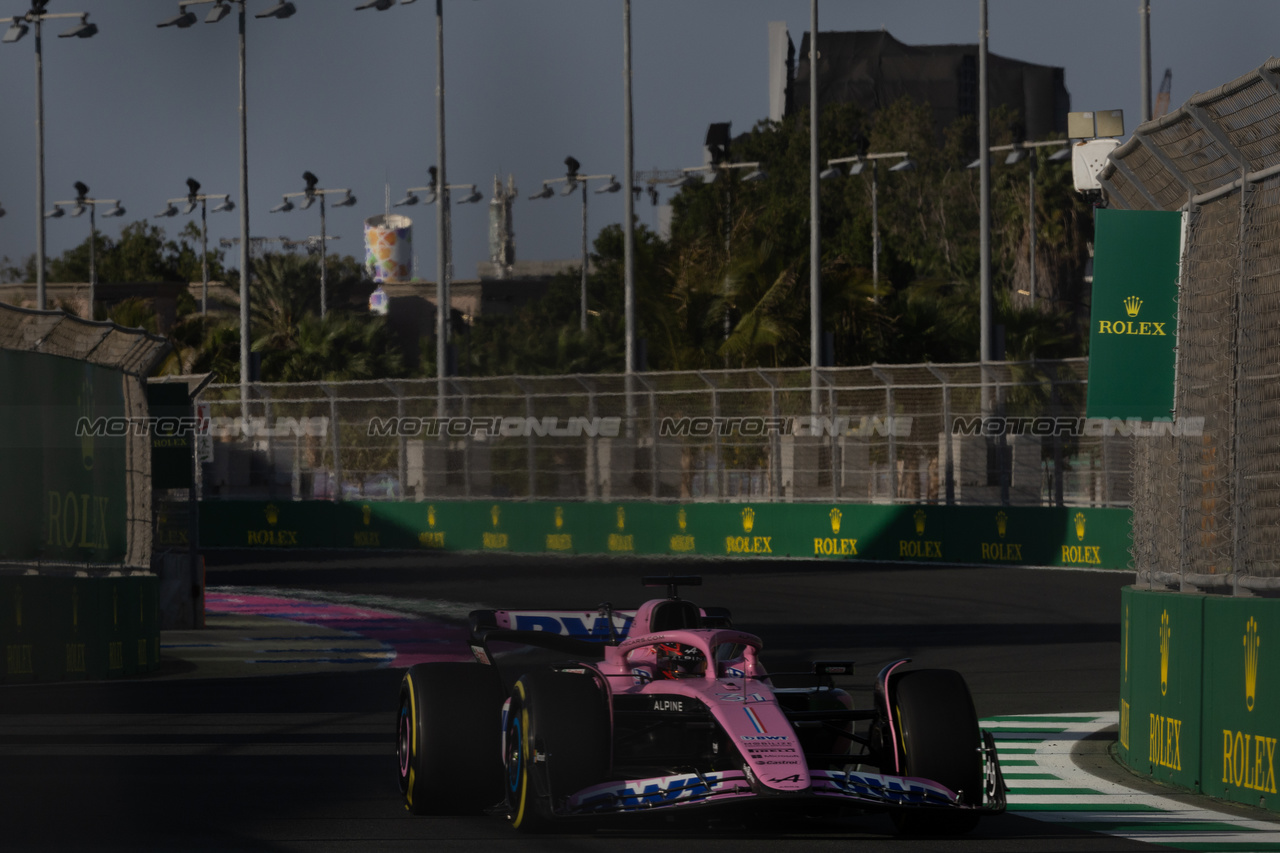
x=857 y=788
x=871 y=790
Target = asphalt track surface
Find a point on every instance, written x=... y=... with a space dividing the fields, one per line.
x=304 y=762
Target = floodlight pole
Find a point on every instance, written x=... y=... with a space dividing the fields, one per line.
x=984 y=195
x=874 y=159
x=244 y=227
x=1144 y=62
x=573 y=181
x=628 y=222
x=36 y=17
x=444 y=303
x=815 y=247
x=311 y=193
x=40 y=244
x=92 y=203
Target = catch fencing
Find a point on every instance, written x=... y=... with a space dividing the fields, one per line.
x=1206 y=510
x=884 y=434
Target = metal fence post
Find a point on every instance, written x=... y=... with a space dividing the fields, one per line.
x=893 y=440
x=337 y=441
x=531 y=448
x=402 y=441
x=949 y=465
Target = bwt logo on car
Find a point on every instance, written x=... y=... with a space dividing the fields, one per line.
x=511 y=427
x=571 y=626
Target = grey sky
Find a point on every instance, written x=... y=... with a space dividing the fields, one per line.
x=349 y=95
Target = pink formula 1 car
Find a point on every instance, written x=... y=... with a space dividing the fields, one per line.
x=667 y=709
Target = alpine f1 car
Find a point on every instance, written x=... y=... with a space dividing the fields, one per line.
x=668 y=709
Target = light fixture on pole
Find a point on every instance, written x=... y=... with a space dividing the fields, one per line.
x=1019 y=151
x=856 y=164
x=220 y=10
x=192 y=198
x=18 y=27
x=572 y=181
x=442 y=211
x=441 y=195
x=78 y=205
x=309 y=196
x=693 y=175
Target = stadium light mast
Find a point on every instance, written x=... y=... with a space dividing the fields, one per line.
x=36 y=16
x=193 y=197
x=77 y=206
x=309 y=196
x=572 y=181
x=220 y=10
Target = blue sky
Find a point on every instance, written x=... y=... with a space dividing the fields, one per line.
x=135 y=110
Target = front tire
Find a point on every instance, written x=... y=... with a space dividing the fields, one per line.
x=448 y=738
x=938 y=738
x=558 y=740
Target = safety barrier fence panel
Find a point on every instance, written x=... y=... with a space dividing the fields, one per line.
x=883 y=434
x=1199 y=695
x=1207 y=507
x=1047 y=536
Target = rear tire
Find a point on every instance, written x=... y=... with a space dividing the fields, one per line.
x=558 y=741
x=938 y=738
x=449 y=738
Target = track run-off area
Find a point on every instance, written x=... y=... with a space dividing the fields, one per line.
x=272 y=728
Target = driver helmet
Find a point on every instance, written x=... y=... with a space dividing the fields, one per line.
x=680 y=660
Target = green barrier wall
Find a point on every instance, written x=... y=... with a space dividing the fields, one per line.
x=71 y=506
x=1199 y=695
x=60 y=627
x=1092 y=538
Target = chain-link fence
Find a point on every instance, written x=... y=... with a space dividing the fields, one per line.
x=884 y=434
x=1206 y=509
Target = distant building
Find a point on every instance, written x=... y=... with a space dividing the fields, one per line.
x=873 y=69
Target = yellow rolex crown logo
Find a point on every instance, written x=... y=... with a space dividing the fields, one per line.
x=682 y=518
x=559 y=517
x=273 y=514
x=919 y=516
x=622 y=518
x=1131 y=305
x=366 y=512
x=1079 y=520
x=494 y=512
x=748 y=519
x=1251 y=643
x=1165 y=633
x=1002 y=523
x=836 y=515
x=431 y=515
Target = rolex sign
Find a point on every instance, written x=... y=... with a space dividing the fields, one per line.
x=1132 y=333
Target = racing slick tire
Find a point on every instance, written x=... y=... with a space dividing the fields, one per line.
x=449 y=738
x=558 y=741
x=938 y=739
